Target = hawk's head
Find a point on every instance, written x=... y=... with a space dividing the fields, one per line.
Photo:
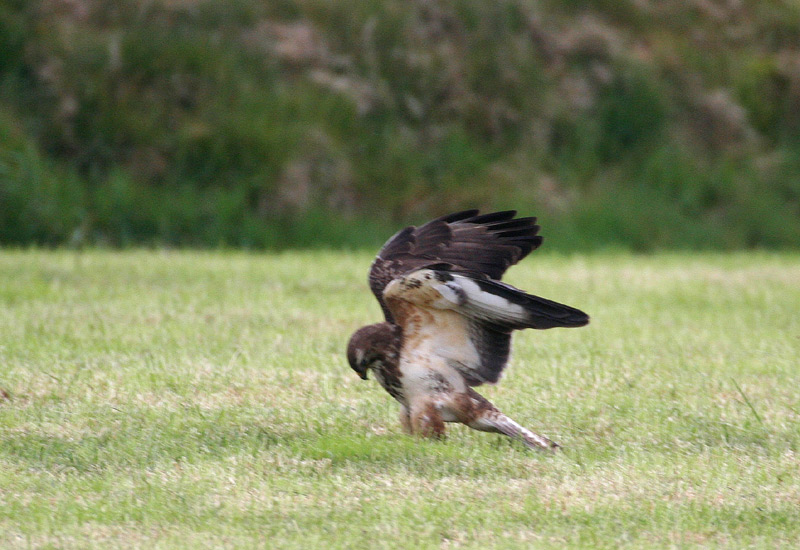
x=371 y=345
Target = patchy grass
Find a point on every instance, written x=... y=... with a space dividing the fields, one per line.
x=183 y=399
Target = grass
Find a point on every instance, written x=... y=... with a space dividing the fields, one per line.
x=184 y=399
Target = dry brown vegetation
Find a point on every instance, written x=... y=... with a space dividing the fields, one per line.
x=639 y=124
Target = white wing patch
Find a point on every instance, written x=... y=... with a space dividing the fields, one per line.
x=485 y=305
x=445 y=290
x=452 y=296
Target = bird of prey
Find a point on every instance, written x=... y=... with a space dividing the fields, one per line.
x=449 y=320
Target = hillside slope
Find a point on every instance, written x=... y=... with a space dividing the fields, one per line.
x=637 y=124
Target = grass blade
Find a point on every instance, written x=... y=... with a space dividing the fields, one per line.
x=747 y=400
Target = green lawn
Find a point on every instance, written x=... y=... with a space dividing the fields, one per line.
x=188 y=399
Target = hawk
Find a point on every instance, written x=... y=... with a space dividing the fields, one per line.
x=449 y=320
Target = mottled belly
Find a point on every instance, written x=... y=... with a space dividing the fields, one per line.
x=390 y=381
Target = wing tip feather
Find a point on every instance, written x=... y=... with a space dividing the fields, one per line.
x=458 y=216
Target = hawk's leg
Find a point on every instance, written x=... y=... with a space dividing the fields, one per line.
x=495 y=421
x=479 y=414
x=427 y=421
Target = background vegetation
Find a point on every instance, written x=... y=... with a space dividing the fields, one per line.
x=633 y=123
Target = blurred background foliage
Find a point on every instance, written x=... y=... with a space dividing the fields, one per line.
x=638 y=124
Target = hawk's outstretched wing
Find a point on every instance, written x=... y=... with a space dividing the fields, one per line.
x=467 y=319
x=465 y=241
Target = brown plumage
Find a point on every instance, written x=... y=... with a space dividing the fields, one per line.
x=449 y=320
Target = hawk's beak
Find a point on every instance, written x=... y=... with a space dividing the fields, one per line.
x=363 y=375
